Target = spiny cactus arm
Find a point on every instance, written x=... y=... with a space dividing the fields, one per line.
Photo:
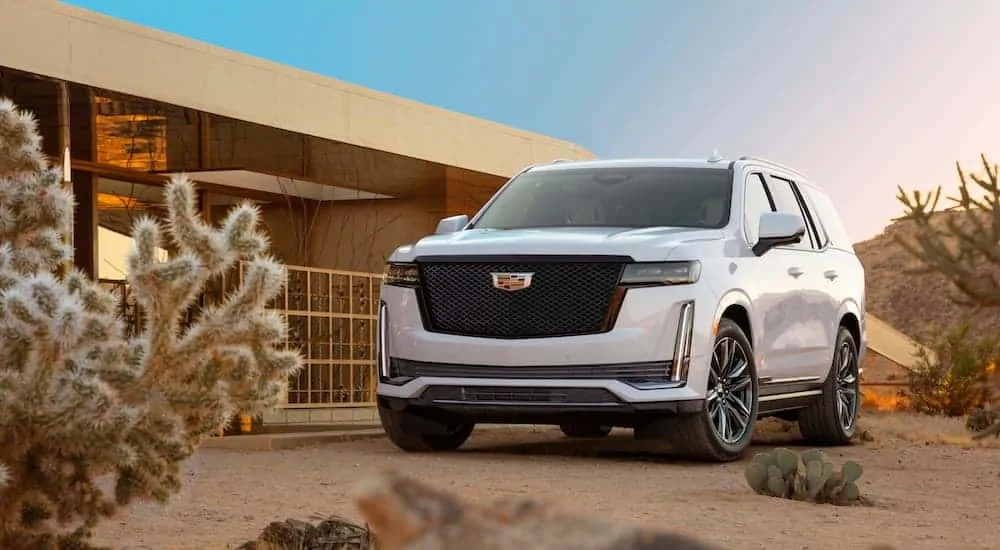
x=241 y=319
x=33 y=220
x=259 y=378
x=20 y=142
x=966 y=249
x=217 y=250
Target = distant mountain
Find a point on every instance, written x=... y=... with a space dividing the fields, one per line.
x=913 y=304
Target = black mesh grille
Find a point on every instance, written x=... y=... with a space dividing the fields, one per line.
x=564 y=298
x=487 y=394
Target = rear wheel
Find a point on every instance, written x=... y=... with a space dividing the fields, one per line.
x=832 y=419
x=415 y=433
x=585 y=430
x=722 y=432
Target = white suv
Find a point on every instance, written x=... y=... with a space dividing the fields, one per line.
x=681 y=298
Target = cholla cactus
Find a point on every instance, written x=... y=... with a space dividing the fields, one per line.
x=78 y=400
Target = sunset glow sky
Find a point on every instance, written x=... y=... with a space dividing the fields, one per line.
x=862 y=96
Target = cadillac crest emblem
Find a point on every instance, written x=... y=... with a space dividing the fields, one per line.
x=511 y=281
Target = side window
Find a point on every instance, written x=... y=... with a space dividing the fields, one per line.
x=822 y=237
x=786 y=200
x=833 y=226
x=756 y=201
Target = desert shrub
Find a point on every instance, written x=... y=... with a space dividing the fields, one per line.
x=885 y=400
x=784 y=473
x=80 y=400
x=332 y=533
x=981 y=419
x=959 y=377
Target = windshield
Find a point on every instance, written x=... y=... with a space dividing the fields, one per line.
x=613 y=197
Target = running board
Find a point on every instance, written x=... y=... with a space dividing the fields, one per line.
x=787 y=394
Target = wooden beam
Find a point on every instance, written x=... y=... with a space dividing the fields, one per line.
x=64 y=139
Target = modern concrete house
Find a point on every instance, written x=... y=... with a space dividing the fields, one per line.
x=343 y=174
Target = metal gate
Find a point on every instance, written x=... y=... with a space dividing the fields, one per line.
x=331 y=321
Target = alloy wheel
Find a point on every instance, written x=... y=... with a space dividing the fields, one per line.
x=847 y=386
x=730 y=391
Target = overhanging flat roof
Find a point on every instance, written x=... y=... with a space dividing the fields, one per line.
x=83 y=46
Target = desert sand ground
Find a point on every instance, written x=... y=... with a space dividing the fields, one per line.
x=930 y=487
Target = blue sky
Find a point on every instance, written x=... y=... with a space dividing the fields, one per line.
x=862 y=96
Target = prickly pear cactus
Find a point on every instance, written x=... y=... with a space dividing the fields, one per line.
x=783 y=473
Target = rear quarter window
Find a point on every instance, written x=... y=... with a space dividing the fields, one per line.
x=828 y=219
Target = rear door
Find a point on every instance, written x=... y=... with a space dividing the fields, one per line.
x=805 y=323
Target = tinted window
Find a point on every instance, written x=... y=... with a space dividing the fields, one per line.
x=613 y=197
x=822 y=238
x=824 y=211
x=786 y=201
x=756 y=203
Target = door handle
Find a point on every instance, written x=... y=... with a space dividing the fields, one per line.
x=795 y=271
x=830 y=274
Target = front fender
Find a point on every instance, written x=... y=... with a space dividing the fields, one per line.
x=736 y=298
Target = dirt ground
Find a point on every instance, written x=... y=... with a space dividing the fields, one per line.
x=931 y=488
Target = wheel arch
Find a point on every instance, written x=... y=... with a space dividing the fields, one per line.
x=736 y=306
x=851 y=317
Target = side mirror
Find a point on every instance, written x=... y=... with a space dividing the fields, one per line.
x=452 y=224
x=778 y=229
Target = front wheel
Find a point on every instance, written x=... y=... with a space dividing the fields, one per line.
x=832 y=419
x=414 y=433
x=722 y=432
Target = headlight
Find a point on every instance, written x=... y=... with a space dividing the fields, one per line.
x=662 y=273
x=402 y=275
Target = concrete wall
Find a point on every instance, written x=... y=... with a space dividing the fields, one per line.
x=331 y=415
x=94 y=49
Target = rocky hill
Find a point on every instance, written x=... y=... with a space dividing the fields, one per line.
x=914 y=304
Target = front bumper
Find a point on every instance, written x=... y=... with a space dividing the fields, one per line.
x=538 y=406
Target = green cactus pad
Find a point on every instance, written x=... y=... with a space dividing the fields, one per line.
x=763 y=458
x=832 y=482
x=756 y=476
x=776 y=485
x=850 y=492
x=813 y=455
x=787 y=461
x=828 y=470
x=851 y=471
x=814 y=478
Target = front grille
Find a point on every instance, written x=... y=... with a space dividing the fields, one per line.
x=634 y=373
x=565 y=298
x=540 y=396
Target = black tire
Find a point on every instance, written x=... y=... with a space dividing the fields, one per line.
x=417 y=434
x=585 y=430
x=696 y=436
x=822 y=423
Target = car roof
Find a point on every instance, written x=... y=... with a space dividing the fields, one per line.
x=633 y=163
x=715 y=162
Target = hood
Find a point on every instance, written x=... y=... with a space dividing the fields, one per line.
x=646 y=244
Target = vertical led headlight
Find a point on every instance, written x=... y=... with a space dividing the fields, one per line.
x=382 y=341
x=682 y=345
